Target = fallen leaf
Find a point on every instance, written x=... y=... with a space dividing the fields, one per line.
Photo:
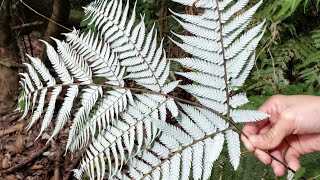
x=19 y=143
x=11 y=129
x=45 y=136
x=36 y=167
x=10 y=148
x=11 y=177
x=6 y=161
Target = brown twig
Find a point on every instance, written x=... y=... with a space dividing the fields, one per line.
x=25 y=4
x=9 y=64
x=11 y=129
x=25 y=163
x=27 y=25
x=76 y=161
x=57 y=158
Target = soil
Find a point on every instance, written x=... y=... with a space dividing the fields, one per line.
x=18 y=146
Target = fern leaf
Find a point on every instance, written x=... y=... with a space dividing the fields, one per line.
x=237 y=64
x=233 y=147
x=34 y=76
x=78 y=68
x=181 y=137
x=200 y=119
x=37 y=113
x=64 y=112
x=175 y=167
x=205 y=79
x=135 y=119
x=247 y=115
x=239 y=81
x=216 y=120
x=206 y=92
x=172 y=107
x=28 y=84
x=149 y=158
x=238 y=100
x=130 y=43
x=160 y=150
x=228 y=13
x=192 y=129
x=106 y=112
x=241 y=19
x=201 y=3
x=42 y=70
x=26 y=96
x=211 y=156
x=197 y=160
x=186 y=163
x=58 y=65
x=89 y=98
x=104 y=62
x=50 y=110
x=185 y=154
x=202 y=66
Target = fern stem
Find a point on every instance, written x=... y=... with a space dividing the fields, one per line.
x=33 y=10
x=183 y=148
x=139 y=90
x=224 y=59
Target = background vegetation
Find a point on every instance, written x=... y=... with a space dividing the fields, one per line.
x=288 y=57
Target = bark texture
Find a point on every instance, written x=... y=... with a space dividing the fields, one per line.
x=8 y=52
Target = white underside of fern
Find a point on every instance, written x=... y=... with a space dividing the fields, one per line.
x=122 y=129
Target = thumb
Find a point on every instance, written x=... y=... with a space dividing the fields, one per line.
x=271 y=138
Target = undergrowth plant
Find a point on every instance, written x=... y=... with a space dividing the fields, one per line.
x=114 y=80
x=287 y=59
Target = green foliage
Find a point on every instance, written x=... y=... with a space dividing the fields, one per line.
x=21 y=102
x=288 y=57
x=301 y=171
x=249 y=168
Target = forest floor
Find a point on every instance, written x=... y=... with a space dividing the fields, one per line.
x=23 y=157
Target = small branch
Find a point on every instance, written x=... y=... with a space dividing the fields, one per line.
x=35 y=23
x=11 y=64
x=25 y=4
x=57 y=157
x=11 y=129
x=1 y=5
x=76 y=161
x=25 y=163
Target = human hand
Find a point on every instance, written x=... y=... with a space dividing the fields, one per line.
x=292 y=130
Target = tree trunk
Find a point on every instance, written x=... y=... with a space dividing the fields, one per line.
x=8 y=52
x=60 y=14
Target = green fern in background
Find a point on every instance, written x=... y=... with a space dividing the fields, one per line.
x=289 y=53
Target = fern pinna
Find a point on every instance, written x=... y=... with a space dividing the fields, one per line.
x=124 y=129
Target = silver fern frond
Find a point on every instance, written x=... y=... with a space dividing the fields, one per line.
x=125 y=130
x=222 y=57
x=145 y=63
x=126 y=137
x=178 y=152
